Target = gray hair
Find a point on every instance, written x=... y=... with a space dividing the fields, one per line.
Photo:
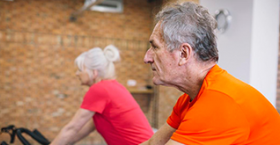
x=100 y=60
x=189 y=23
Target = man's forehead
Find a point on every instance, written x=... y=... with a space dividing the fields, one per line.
x=157 y=34
x=157 y=29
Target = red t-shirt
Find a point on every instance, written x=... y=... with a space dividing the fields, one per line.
x=226 y=111
x=118 y=117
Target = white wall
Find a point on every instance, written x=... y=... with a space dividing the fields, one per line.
x=249 y=48
x=264 y=56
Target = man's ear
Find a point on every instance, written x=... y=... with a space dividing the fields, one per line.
x=185 y=53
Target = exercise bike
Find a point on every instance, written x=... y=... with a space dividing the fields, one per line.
x=13 y=131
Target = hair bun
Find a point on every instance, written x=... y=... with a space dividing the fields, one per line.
x=111 y=53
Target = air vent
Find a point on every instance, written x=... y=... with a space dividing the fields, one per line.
x=112 y=6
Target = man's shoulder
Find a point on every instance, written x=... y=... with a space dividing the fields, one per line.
x=225 y=83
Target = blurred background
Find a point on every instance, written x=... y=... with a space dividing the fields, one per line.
x=38 y=45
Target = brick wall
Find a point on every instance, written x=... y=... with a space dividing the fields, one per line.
x=38 y=45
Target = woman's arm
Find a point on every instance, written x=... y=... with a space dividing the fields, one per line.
x=85 y=131
x=68 y=133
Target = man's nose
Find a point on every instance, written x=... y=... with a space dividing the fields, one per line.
x=149 y=56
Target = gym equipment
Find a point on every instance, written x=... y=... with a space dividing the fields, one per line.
x=13 y=131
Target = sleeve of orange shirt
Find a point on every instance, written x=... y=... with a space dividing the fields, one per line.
x=174 y=119
x=214 y=119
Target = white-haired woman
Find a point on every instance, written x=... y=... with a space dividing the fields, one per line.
x=107 y=106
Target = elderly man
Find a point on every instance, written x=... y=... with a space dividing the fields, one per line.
x=216 y=108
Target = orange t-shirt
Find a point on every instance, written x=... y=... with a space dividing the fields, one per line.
x=226 y=111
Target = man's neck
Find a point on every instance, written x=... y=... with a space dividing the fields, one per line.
x=192 y=85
